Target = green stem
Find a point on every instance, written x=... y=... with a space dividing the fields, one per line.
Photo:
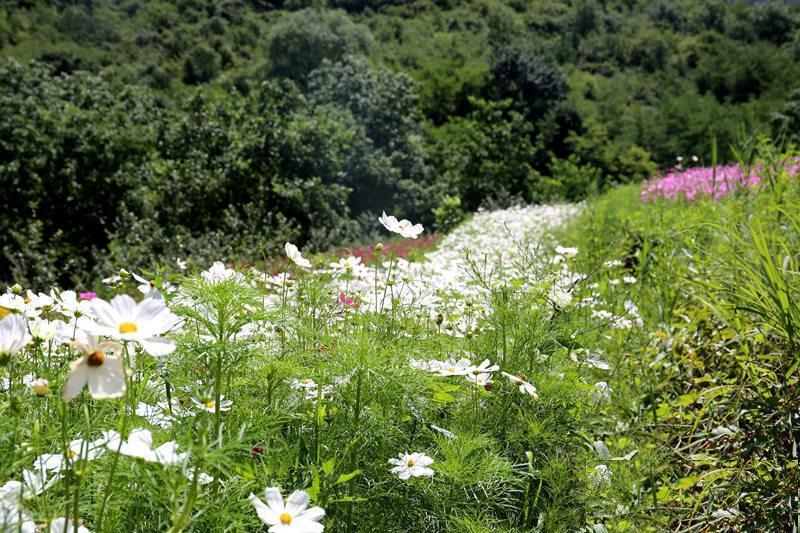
x=353 y=459
x=106 y=495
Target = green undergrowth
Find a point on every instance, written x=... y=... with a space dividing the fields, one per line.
x=706 y=389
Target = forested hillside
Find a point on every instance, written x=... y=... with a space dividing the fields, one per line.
x=135 y=130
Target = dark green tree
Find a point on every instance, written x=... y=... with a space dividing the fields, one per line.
x=302 y=40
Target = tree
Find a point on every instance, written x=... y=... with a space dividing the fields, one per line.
x=304 y=39
x=392 y=167
x=527 y=77
x=68 y=145
x=201 y=65
x=488 y=155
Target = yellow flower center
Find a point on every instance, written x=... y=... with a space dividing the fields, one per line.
x=71 y=454
x=127 y=327
x=286 y=518
x=209 y=404
x=410 y=463
x=451 y=369
x=96 y=359
x=4 y=313
x=27 y=299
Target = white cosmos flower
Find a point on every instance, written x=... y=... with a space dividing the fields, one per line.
x=403 y=227
x=486 y=366
x=13 y=335
x=13 y=517
x=69 y=303
x=479 y=380
x=451 y=367
x=79 y=449
x=147 y=287
x=202 y=477
x=36 y=303
x=59 y=525
x=206 y=403
x=160 y=414
x=98 y=369
x=12 y=302
x=219 y=273
x=311 y=388
x=295 y=256
x=123 y=319
x=35 y=482
x=411 y=465
x=525 y=387
x=140 y=446
x=347 y=264
x=569 y=253
x=291 y=517
x=42 y=329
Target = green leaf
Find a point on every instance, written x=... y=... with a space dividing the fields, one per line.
x=443 y=397
x=313 y=490
x=344 y=478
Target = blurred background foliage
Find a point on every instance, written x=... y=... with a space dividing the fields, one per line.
x=133 y=131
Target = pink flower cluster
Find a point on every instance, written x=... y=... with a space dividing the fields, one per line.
x=703 y=182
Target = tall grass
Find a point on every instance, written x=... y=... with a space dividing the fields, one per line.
x=708 y=386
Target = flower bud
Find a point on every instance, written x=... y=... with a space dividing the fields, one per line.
x=379 y=247
x=16 y=288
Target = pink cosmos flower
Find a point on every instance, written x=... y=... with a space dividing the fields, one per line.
x=692 y=184
x=346 y=301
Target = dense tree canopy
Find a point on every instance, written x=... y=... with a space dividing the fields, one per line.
x=200 y=120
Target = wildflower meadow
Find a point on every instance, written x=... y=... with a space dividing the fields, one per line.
x=590 y=366
x=382 y=266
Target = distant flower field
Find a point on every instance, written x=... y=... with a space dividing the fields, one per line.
x=695 y=183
